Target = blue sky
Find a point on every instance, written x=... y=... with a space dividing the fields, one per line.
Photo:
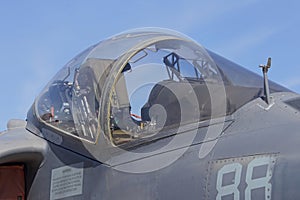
x=39 y=37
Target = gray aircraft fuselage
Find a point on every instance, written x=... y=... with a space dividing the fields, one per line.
x=202 y=129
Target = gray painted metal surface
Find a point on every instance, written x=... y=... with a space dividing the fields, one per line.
x=250 y=153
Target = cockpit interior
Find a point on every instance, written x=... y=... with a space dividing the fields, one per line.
x=140 y=85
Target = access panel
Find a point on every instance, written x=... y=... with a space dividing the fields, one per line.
x=12 y=183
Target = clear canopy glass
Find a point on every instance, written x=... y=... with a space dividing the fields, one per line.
x=141 y=83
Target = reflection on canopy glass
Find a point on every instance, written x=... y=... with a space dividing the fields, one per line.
x=153 y=92
x=141 y=85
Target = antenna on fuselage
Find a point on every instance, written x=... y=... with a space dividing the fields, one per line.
x=265 y=69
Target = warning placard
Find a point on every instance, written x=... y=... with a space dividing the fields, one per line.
x=66 y=181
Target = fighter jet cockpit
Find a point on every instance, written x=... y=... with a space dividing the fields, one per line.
x=139 y=85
